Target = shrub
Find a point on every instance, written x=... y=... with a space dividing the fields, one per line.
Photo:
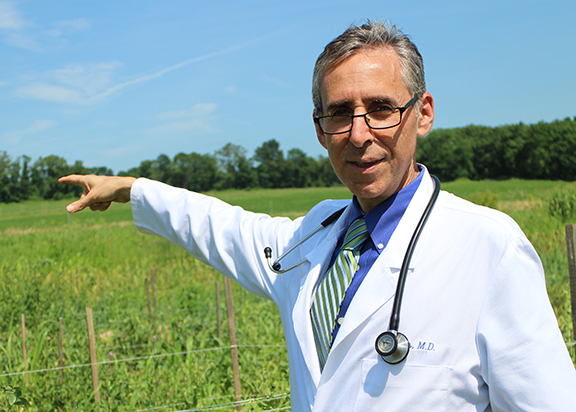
x=563 y=205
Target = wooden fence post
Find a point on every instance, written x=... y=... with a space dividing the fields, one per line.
x=93 y=358
x=148 y=302
x=23 y=321
x=60 y=352
x=153 y=279
x=233 y=344
x=218 y=316
x=571 y=249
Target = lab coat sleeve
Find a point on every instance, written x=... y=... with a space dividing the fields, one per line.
x=524 y=359
x=225 y=237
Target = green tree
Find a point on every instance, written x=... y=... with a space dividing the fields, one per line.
x=271 y=165
x=447 y=154
x=45 y=174
x=194 y=171
x=301 y=170
x=234 y=168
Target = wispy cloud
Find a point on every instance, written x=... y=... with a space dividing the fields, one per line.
x=13 y=27
x=63 y=27
x=162 y=72
x=199 y=118
x=10 y=18
x=74 y=84
x=85 y=84
x=16 y=31
x=15 y=137
x=198 y=110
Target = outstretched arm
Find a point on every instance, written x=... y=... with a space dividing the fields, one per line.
x=99 y=191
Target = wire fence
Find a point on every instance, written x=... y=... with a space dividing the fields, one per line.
x=139 y=358
x=225 y=405
x=196 y=327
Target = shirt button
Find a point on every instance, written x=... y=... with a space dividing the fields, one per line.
x=340 y=320
x=380 y=246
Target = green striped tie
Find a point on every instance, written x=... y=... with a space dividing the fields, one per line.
x=333 y=287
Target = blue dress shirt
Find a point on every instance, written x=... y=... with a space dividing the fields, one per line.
x=381 y=223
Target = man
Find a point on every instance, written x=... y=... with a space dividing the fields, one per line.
x=483 y=334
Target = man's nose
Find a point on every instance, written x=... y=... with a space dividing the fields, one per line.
x=360 y=133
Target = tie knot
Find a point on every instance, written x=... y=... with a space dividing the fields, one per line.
x=356 y=234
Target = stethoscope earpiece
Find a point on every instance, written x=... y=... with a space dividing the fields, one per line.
x=392 y=347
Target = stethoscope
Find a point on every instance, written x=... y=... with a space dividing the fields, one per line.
x=391 y=345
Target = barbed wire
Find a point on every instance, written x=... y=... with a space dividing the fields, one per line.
x=161 y=355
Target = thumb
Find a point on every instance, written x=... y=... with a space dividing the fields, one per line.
x=76 y=206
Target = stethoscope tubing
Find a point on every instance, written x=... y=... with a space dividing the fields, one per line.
x=276 y=267
x=395 y=316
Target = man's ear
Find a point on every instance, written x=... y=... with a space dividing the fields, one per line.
x=426 y=115
x=319 y=134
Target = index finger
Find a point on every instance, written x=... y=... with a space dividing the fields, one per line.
x=73 y=179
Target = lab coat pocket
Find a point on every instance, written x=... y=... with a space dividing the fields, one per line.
x=402 y=387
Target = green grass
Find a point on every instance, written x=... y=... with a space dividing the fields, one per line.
x=54 y=265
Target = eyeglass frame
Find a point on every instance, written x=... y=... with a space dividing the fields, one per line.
x=352 y=116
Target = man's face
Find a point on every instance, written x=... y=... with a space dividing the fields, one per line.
x=373 y=164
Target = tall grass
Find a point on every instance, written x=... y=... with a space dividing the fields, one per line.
x=54 y=265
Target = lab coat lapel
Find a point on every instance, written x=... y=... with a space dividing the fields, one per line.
x=379 y=286
x=319 y=258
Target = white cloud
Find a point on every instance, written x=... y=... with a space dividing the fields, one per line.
x=75 y=84
x=200 y=109
x=10 y=17
x=193 y=125
x=87 y=84
x=22 y=41
x=89 y=79
x=25 y=34
x=50 y=93
x=63 y=27
x=74 y=25
x=199 y=118
x=15 y=137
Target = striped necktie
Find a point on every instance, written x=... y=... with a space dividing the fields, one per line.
x=333 y=287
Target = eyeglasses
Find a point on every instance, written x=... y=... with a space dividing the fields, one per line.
x=382 y=118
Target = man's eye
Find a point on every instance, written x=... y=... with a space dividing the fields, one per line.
x=340 y=112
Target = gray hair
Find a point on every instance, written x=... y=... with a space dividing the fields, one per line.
x=371 y=36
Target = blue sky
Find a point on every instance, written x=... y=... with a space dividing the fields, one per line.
x=113 y=83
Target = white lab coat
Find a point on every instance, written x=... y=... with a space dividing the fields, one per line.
x=483 y=333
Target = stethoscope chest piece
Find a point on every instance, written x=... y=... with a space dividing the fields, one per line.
x=392 y=347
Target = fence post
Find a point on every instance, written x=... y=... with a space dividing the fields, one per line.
x=153 y=279
x=233 y=344
x=23 y=321
x=60 y=352
x=571 y=249
x=93 y=359
x=218 y=316
x=148 y=302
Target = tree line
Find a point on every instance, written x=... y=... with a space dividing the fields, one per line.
x=537 y=151
x=227 y=168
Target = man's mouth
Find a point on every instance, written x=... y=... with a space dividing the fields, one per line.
x=367 y=164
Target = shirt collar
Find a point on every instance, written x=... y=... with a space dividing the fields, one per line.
x=383 y=219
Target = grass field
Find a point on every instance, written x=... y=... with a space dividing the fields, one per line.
x=54 y=265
